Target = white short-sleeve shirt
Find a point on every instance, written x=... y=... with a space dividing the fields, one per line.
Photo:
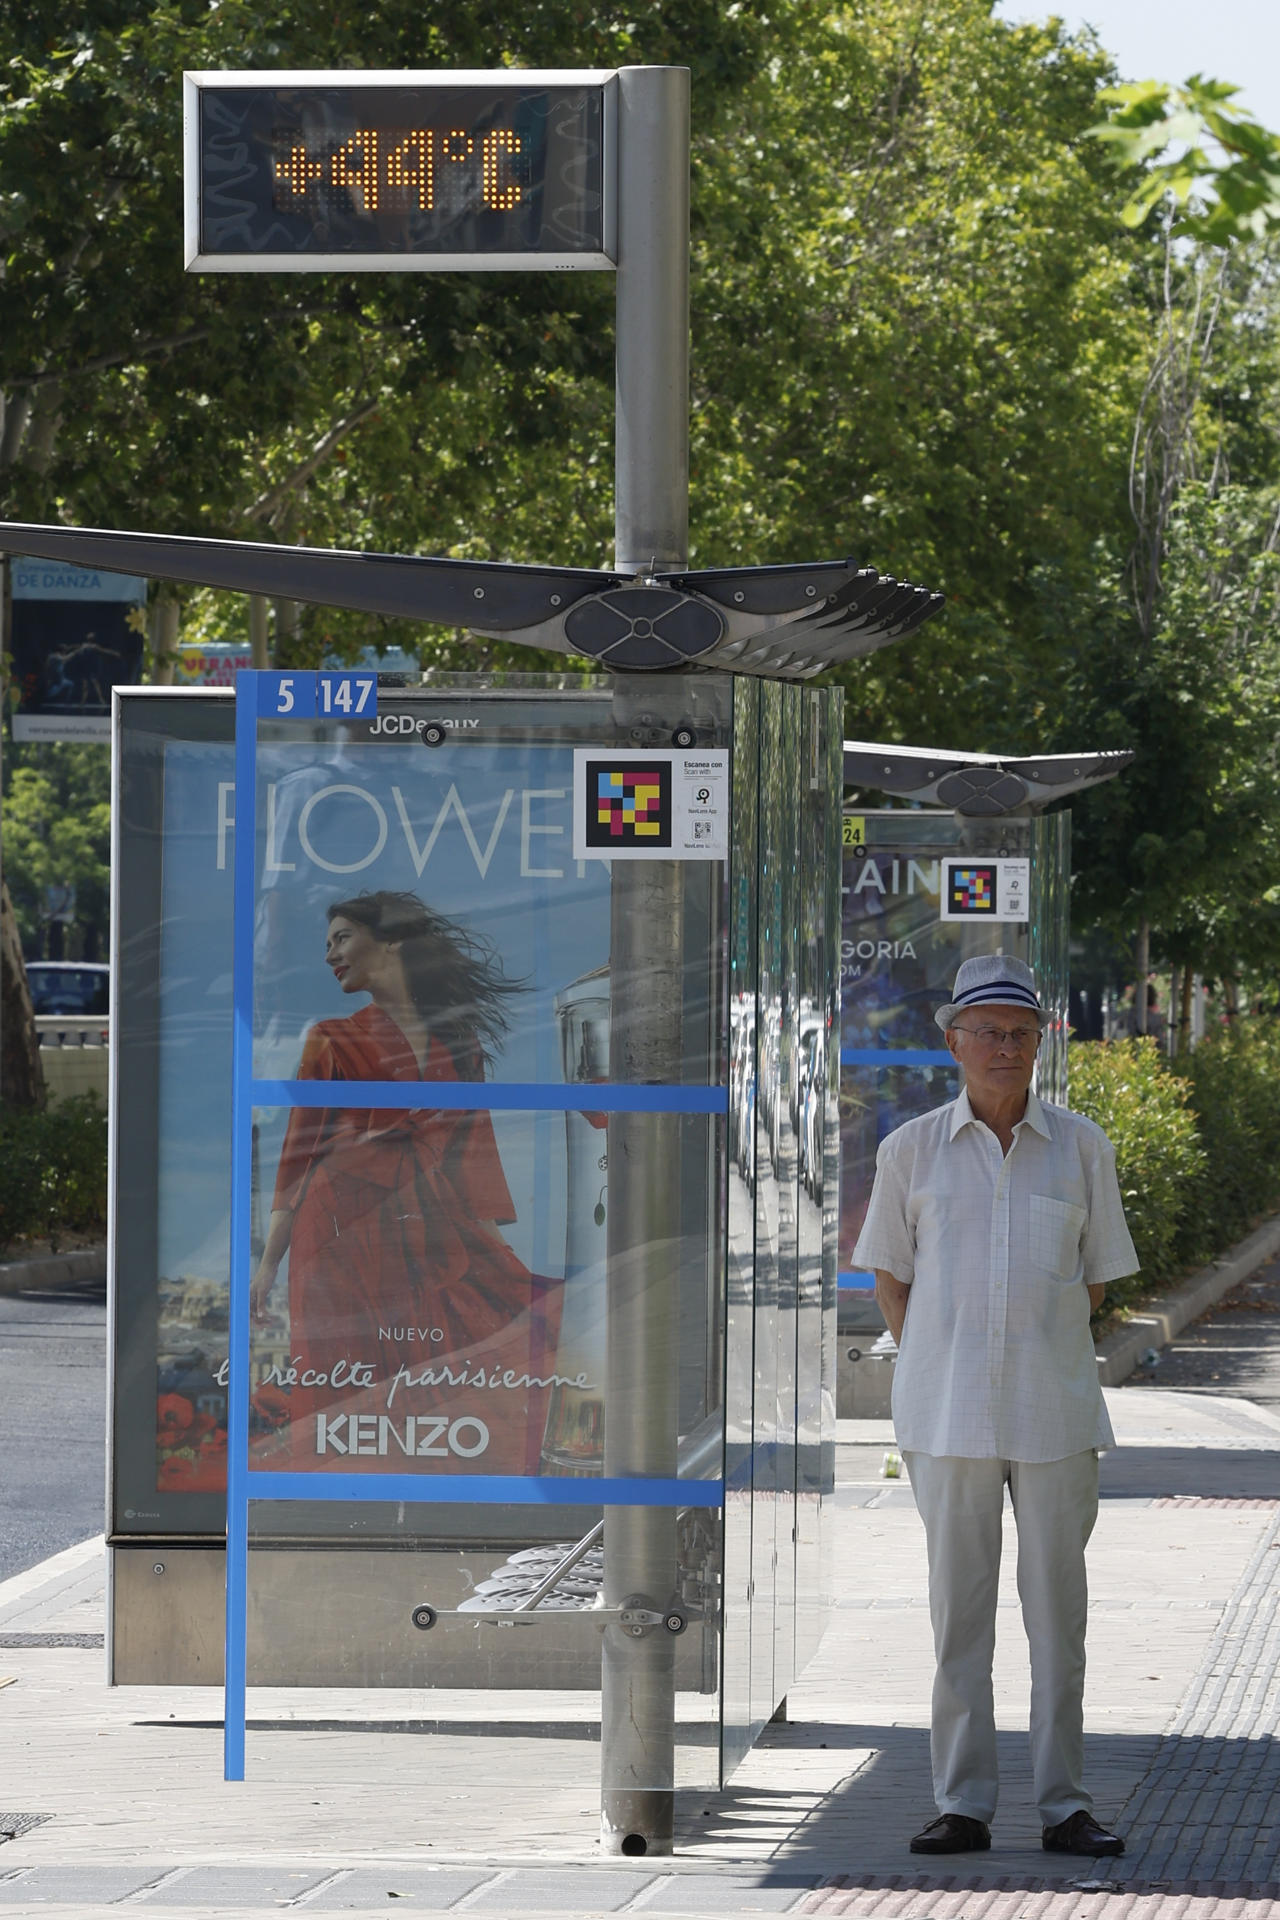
x=996 y=1359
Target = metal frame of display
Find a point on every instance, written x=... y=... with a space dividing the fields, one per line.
x=513 y=79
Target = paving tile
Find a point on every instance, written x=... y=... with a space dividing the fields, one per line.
x=230 y=1887
x=408 y=1889
x=74 y=1885
x=558 y=1890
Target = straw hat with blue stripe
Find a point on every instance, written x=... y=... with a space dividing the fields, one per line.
x=993 y=980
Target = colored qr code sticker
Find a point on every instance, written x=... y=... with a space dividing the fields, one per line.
x=628 y=805
x=972 y=889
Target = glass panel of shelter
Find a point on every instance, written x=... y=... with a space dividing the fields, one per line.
x=791 y=849
x=833 y=880
x=899 y=960
x=431 y=1292
x=814 y=922
x=1048 y=948
x=773 y=801
x=172 y=916
x=740 y=1310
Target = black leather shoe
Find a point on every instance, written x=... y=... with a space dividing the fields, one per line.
x=1080 y=1833
x=954 y=1833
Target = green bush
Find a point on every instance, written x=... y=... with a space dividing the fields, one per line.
x=1233 y=1085
x=53 y=1170
x=1197 y=1140
x=1145 y=1111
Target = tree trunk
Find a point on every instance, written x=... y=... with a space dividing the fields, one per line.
x=21 y=1074
x=288 y=623
x=258 y=642
x=1141 y=968
x=42 y=431
x=164 y=639
x=1184 y=1011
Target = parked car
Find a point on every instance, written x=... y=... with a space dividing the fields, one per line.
x=71 y=1000
x=80 y=987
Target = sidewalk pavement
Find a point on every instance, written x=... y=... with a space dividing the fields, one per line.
x=1159 y=1324
x=117 y=1798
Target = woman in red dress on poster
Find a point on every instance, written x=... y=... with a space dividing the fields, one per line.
x=391 y=1217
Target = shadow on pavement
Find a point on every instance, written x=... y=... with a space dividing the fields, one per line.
x=1240 y=1361
x=1216 y=1473
x=1190 y=1809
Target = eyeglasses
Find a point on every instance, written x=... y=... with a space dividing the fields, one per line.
x=1019 y=1037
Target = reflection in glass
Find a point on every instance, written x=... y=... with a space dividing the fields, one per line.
x=793 y=1016
x=776 y=832
x=816 y=922
x=739 y=1344
x=1048 y=948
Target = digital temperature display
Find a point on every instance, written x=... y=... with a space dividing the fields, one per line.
x=298 y=171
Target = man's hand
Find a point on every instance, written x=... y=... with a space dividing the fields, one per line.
x=891 y=1298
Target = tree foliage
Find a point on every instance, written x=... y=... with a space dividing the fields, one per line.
x=938 y=324
x=1189 y=838
x=1193 y=150
x=908 y=316
x=218 y=400
x=57 y=835
x=918 y=245
x=1180 y=660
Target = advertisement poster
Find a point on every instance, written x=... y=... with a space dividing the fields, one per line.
x=213 y=665
x=428 y=1282
x=75 y=633
x=898 y=959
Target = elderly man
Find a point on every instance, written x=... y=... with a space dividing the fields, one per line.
x=994 y=1226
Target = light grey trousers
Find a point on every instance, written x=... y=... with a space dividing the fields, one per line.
x=1055 y=1505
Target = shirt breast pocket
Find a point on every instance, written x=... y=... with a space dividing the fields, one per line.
x=1056 y=1227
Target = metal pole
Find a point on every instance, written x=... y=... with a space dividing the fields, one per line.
x=651 y=502
x=637 y=1709
x=637 y=1732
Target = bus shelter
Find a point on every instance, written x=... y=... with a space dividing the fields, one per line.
x=527 y=1382
x=975 y=859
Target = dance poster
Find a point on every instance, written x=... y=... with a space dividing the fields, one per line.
x=428 y=1281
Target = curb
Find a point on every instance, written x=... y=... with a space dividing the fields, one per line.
x=1122 y=1350
x=54 y=1269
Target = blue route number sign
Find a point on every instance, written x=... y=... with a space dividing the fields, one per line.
x=318 y=696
